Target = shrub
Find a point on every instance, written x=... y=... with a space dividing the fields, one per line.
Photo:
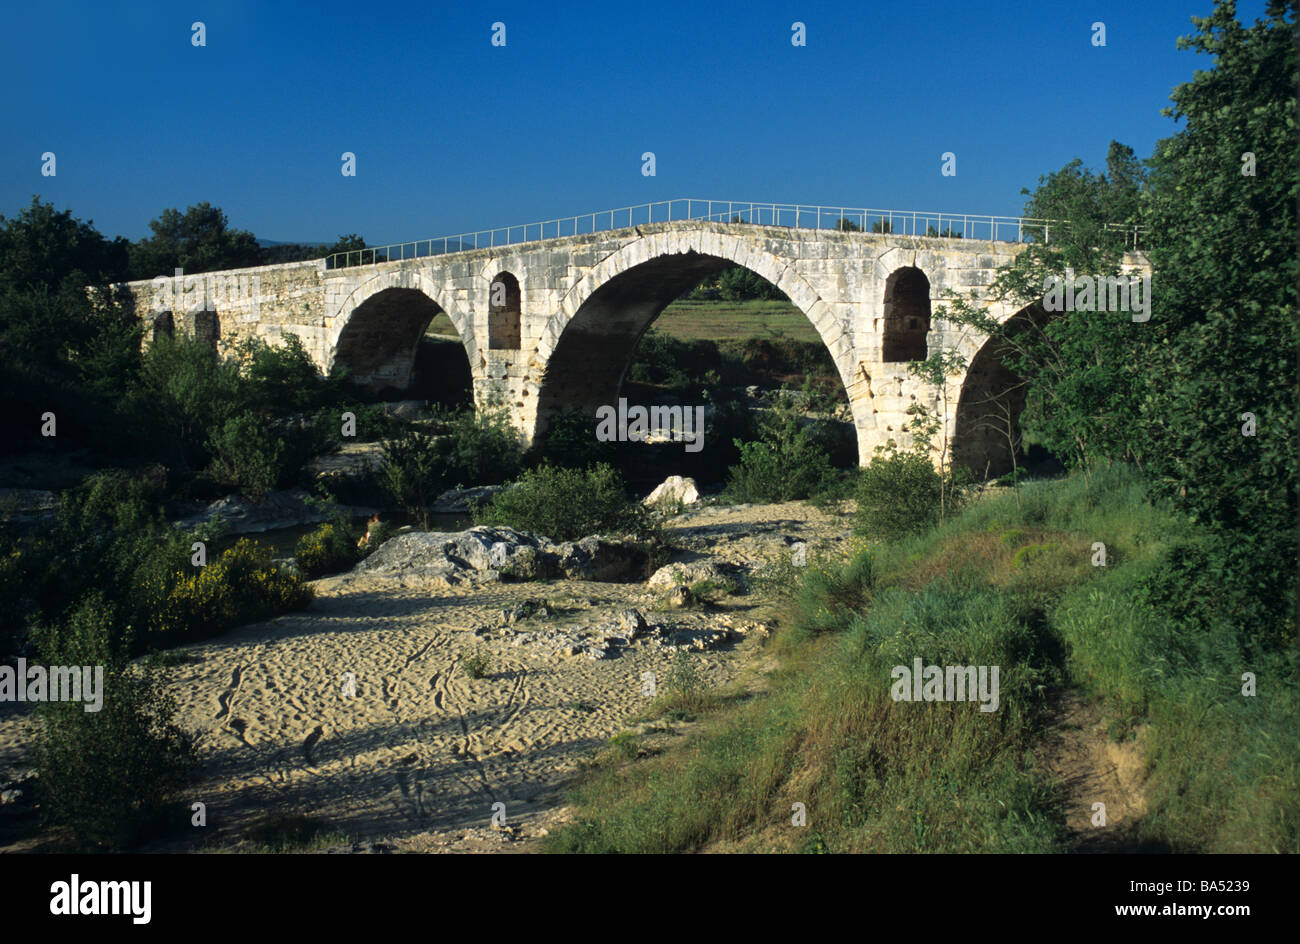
x=242 y=586
x=898 y=494
x=108 y=775
x=476 y=448
x=184 y=395
x=478 y=664
x=786 y=463
x=567 y=504
x=685 y=692
x=329 y=549
x=246 y=455
x=570 y=441
x=410 y=472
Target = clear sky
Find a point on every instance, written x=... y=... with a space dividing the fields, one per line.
x=453 y=134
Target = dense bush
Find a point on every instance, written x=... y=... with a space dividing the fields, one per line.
x=476 y=448
x=329 y=549
x=737 y=284
x=411 y=471
x=110 y=540
x=465 y=449
x=246 y=456
x=898 y=494
x=241 y=586
x=108 y=776
x=788 y=461
x=567 y=504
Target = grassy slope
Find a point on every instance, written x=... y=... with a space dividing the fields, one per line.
x=1007 y=583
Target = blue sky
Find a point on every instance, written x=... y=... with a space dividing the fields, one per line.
x=452 y=134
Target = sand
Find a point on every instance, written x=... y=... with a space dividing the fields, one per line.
x=418 y=757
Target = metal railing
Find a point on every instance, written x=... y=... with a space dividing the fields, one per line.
x=797 y=216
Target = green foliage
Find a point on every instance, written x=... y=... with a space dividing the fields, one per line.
x=737 y=284
x=411 y=472
x=183 y=396
x=478 y=664
x=331 y=548
x=42 y=248
x=684 y=692
x=241 y=586
x=198 y=240
x=898 y=493
x=476 y=448
x=246 y=456
x=567 y=504
x=878 y=775
x=467 y=449
x=570 y=441
x=666 y=361
x=788 y=461
x=108 y=776
x=1225 y=332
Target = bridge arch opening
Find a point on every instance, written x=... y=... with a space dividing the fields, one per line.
x=907 y=315
x=164 y=326
x=604 y=350
x=505 y=313
x=207 y=328
x=987 y=437
x=388 y=350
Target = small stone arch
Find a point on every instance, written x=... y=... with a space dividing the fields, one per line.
x=340 y=327
x=907 y=316
x=207 y=328
x=505 y=313
x=164 y=326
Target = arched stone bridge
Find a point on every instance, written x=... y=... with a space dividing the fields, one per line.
x=560 y=328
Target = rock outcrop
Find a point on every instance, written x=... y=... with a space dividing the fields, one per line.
x=490 y=553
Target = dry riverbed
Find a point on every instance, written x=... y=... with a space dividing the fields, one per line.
x=362 y=711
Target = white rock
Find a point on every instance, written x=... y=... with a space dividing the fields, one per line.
x=674 y=488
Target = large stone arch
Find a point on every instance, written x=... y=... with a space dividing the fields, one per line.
x=377 y=329
x=583 y=350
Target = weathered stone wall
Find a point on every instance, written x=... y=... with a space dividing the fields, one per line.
x=585 y=301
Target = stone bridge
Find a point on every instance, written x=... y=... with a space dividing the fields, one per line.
x=552 y=324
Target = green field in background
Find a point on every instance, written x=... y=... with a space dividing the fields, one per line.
x=715 y=321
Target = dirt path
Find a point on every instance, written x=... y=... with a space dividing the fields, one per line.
x=1093 y=768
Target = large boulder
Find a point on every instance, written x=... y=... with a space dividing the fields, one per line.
x=441 y=553
x=675 y=488
x=688 y=573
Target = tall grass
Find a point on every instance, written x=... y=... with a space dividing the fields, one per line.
x=1008 y=583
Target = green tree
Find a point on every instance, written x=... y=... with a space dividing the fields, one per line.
x=198 y=240
x=1224 y=192
x=1084 y=371
x=45 y=248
